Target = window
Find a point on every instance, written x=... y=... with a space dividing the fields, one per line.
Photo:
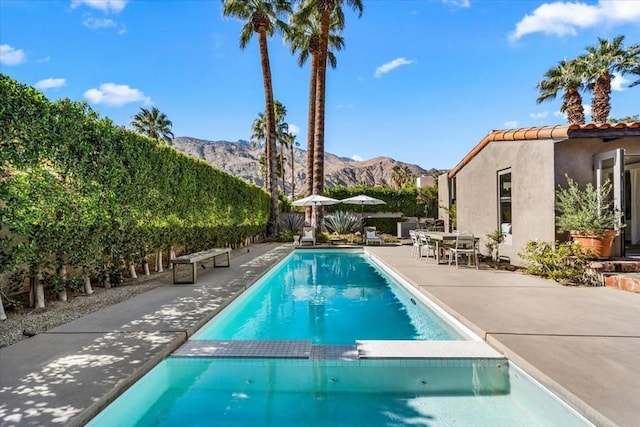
x=504 y=197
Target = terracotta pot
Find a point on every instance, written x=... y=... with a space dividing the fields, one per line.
x=600 y=247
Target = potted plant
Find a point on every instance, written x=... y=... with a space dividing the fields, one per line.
x=588 y=215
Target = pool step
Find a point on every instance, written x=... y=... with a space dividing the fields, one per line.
x=292 y=349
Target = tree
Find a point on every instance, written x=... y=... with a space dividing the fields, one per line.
x=292 y=143
x=153 y=124
x=258 y=134
x=304 y=37
x=326 y=8
x=401 y=176
x=262 y=17
x=627 y=119
x=600 y=63
x=566 y=77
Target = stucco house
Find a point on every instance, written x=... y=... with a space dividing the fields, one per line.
x=508 y=181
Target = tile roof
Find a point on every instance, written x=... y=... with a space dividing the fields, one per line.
x=560 y=132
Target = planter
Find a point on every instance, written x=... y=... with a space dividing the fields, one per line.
x=600 y=247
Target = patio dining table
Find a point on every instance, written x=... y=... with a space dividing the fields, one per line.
x=443 y=239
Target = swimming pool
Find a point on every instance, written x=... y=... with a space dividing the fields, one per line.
x=276 y=392
x=314 y=377
x=328 y=297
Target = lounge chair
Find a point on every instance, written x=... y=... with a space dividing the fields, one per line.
x=308 y=236
x=370 y=236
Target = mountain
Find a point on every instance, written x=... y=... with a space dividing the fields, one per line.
x=241 y=159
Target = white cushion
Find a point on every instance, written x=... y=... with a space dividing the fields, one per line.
x=371 y=235
x=308 y=234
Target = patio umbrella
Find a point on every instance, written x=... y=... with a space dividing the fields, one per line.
x=315 y=200
x=362 y=200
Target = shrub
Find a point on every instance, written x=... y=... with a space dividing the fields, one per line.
x=342 y=222
x=586 y=212
x=565 y=263
x=291 y=223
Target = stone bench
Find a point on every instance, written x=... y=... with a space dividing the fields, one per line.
x=196 y=257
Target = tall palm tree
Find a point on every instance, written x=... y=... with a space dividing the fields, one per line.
x=600 y=63
x=401 y=176
x=292 y=143
x=304 y=37
x=259 y=132
x=326 y=8
x=153 y=124
x=263 y=18
x=566 y=77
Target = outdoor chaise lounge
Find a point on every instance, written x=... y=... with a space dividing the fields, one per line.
x=370 y=236
x=308 y=235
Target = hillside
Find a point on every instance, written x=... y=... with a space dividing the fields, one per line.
x=240 y=159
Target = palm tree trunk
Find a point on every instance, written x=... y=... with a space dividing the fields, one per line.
x=271 y=160
x=293 y=176
x=318 y=158
x=573 y=107
x=311 y=130
x=601 y=103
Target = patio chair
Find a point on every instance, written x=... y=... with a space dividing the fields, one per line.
x=308 y=235
x=465 y=245
x=415 y=243
x=426 y=246
x=370 y=236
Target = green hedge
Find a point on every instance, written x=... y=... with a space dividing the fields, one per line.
x=79 y=191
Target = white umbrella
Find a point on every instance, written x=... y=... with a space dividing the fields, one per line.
x=315 y=200
x=362 y=200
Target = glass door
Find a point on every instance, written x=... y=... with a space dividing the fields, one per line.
x=610 y=166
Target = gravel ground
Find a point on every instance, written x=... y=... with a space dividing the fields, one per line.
x=21 y=324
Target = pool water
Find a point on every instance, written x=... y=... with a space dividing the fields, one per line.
x=273 y=392
x=333 y=299
x=328 y=297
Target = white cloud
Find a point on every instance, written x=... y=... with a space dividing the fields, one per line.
x=115 y=95
x=44 y=60
x=540 y=115
x=511 y=124
x=619 y=82
x=98 y=23
x=50 y=83
x=458 y=3
x=560 y=114
x=587 y=109
x=107 y=6
x=9 y=55
x=294 y=129
x=340 y=106
x=565 y=18
x=357 y=158
x=385 y=68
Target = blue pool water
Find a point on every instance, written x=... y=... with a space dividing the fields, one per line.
x=333 y=299
x=328 y=297
x=270 y=392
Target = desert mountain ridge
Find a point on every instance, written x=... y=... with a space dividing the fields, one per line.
x=241 y=159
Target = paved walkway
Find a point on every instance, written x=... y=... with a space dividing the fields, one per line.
x=582 y=343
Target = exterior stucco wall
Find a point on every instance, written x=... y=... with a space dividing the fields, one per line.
x=575 y=157
x=532 y=197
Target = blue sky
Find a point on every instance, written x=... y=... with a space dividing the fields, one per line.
x=419 y=81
